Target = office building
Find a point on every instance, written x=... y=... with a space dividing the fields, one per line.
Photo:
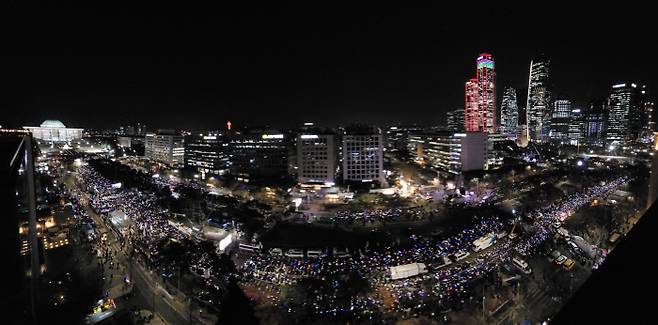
x=316 y=158
x=54 y=131
x=626 y=113
x=363 y=156
x=259 y=156
x=509 y=113
x=595 y=119
x=450 y=152
x=486 y=78
x=397 y=136
x=471 y=112
x=455 y=120
x=207 y=153
x=538 y=112
x=560 y=121
x=166 y=147
x=576 y=127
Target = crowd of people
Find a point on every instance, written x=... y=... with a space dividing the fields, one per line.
x=443 y=286
x=449 y=283
x=148 y=228
x=346 y=217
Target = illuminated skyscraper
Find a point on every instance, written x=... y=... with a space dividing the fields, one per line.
x=509 y=113
x=560 y=120
x=538 y=108
x=363 y=156
x=595 y=119
x=455 y=120
x=486 y=77
x=576 y=126
x=471 y=112
x=627 y=113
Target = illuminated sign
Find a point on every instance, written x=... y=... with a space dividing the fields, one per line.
x=485 y=64
x=272 y=136
x=309 y=136
x=210 y=137
x=619 y=85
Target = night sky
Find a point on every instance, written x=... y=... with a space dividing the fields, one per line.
x=196 y=68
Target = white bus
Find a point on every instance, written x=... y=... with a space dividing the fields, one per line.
x=407 y=270
x=250 y=247
x=295 y=252
x=315 y=253
x=521 y=265
x=484 y=242
x=341 y=252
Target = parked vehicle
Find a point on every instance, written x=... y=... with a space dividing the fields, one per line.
x=295 y=253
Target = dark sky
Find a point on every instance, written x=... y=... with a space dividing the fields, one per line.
x=280 y=65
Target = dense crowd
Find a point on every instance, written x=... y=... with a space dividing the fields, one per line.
x=148 y=227
x=347 y=217
x=442 y=285
x=449 y=283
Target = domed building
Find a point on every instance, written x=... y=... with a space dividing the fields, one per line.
x=54 y=131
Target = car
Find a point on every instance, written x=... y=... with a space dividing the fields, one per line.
x=572 y=246
x=560 y=260
x=554 y=255
x=276 y=251
x=568 y=264
x=461 y=255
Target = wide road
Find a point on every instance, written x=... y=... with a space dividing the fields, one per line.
x=154 y=294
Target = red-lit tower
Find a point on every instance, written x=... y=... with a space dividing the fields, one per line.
x=471 y=113
x=486 y=92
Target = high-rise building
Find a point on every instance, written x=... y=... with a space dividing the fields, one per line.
x=539 y=97
x=560 y=120
x=471 y=112
x=646 y=117
x=259 y=157
x=363 y=156
x=509 y=113
x=627 y=117
x=316 y=158
x=141 y=129
x=166 y=147
x=486 y=78
x=397 y=136
x=455 y=120
x=207 y=153
x=595 y=119
x=450 y=152
x=576 y=126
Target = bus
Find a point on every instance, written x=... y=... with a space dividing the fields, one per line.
x=521 y=265
x=484 y=242
x=294 y=252
x=250 y=247
x=315 y=253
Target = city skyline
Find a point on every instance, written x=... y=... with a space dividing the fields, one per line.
x=328 y=163
x=323 y=73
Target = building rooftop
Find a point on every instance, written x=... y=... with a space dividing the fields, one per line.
x=52 y=124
